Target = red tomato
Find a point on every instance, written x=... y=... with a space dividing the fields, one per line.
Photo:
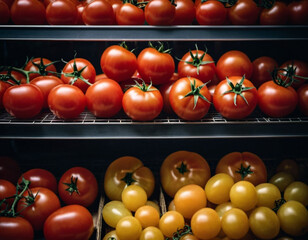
x=7 y=189
x=129 y=14
x=185 y=12
x=211 y=12
x=165 y=92
x=46 y=83
x=9 y=169
x=73 y=222
x=66 y=101
x=302 y=93
x=13 y=77
x=62 y=12
x=234 y=63
x=104 y=98
x=40 y=178
x=16 y=228
x=190 y=98
x=235 y=98
x=142 y=102
x=244 y=12
x=23 y=101
x=156 y=66
x=275 y=15
x=98 y=12
x=100 y=77
x=44 y=204
x=243 y=166
x=197 y=64
x=41 y=67
x=116 y=4
x=295 y=69
x=262 y=69
x=298 y=12
x=8 y=2
x=3 y=87
x=118 y=63
x=80 y=8
x=275 y=100
x=159 y=12
x=78 y=185
x=79 y=72
x=4 y=13
x=28 y=12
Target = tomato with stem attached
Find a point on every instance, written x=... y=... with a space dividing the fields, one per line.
x=170 y=222
x=274 y=14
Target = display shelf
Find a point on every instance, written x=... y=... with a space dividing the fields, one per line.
x=87 y=126
x=146 y=32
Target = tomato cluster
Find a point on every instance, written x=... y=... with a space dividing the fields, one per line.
x=154 y=12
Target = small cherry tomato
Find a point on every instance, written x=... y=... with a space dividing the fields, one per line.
x=297 y=191
x=148 y=216
x=113 y=211
x=134 y=197
x=128 y=228
x=267 y=194
x=243 y=195
x=170 y=222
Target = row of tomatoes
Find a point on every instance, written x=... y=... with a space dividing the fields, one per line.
x=154 y=12
x=185 y=178
x=235 y=85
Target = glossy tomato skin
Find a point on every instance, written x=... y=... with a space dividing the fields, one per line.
x=231 y=163
x=16 y=228
x=244 y=12
x=211 y=13
x=40 y=178
x=185 y=12
x=7 y=189
x=118 y=63
x=275 y=100
x=302 y=93
x=113 y=211
x=185 y=106
x=301 y=70
x=262 y=69
x=30 y=66
x=224 y=100
x=72 y=222
x=298 y=12
x=98 y=12
x=62 y=12
x=104 y=98
x=154 y=66
x=9 y=169
x=170 y=222
x=234 y=63
x=23 y=101
x=159 y=12
x=86 y=184
x=46 y=83
x=129 y=14
x=276 y=15
x=165 y=92
x=45 y=203
x=21 y=78
x=3 y=87
x=4 y=13
x=28 y=12
x=66 y=101
x=181 y=168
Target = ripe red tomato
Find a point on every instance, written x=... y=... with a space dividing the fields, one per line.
x=118 y=63
x=190 y=98
x=298 y=12
x=72 y=222
x=211 y=12
x=46 y=83
x=142 y=102
x=13 y=77
x=23 y=101
x=243 y=166
x=116 y=4
x=165 y=92
x=262 y=69
x=45 y=203
x=4 y=13
x=185 y=12
x=129 y=14
x=66 y=101
x=28 y=12
x=197 y=64
x=3 y=87
x=7 y=189
x=275 y=15
x=302 y=93
x=244 y=12
x=234 y=63
x=16 y=228
x=156 y=66
x=295 y=69
x=104 y=98
x=42 y=66
x=62 y=12
x=40 y=178
x=79 y=72
x=235 y=97
x=159 y=12
x=8 y=2
x=98 y=12
x=9 y=169
x=78 y=185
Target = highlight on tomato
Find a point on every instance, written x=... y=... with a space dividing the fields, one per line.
x=262 y=69
x=98 y=12
x=170 y=222
x=130 y=13
x=185 y=12
x=40 y=67
x=128 y=228
x=159 y=12
x=113 y=211
x=211 y=12
x=243 y=12
x=62 y=12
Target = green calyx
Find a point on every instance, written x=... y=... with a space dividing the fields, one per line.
x=76 y=74
x=42 y=68
x=128 y=178
x=195 y=92
x=238 y=89
x=244 y=172
x=9 y=78
x=144 y=87
x=72 y=186
x=183 y=168
x=160 y=47
x=278 y=204
x=180 y=233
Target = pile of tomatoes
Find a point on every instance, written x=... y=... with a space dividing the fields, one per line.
x=154 y=12
x=147 y=84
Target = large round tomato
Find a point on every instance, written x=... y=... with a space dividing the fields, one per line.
x=9 y=169
x=262 y=69
x=129 y=14
x=159 y=12
x=62 y=12
x=234 y=63
x=235 y=97
x=182 y=168
x=298 y=12
x=98 y=12
x=302 y=93
x=156 y=66
x=79 y=72
x=142 y=102
x=244 y=12
x=118 y=63
x=78 y=185
x=277 y=14
x=7 y=190
x=197 y=64
x=23 y=101
x=125 y=171
x=28 y=12
x=296 y=70
x=16 y=228
x=44 y=203
x=185 y=12
x=190 y=98
x=211 y=13
x=4 y=13
x=72 y=222
x=243 y=166
x=13 y=77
